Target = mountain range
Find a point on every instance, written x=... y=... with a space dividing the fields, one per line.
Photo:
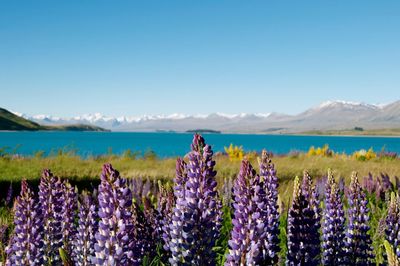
x=330 y=115
x=11 y=121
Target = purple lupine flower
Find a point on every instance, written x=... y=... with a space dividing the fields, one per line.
x=333 y=231
x=198 y=213
x=69 y=212
x=173 y=233
x=387 y=185
x=27 y=244
x=146 y=190
x=392 y=221
x=358 y=242
x=369 y=184
x=145 y=231
x=9 y=196
x=248 y=236
x=136 y=185
x=3 y=230
x=51 y=201
x=303 y=224
x=166 y=202
x=84 y=253
x=115 y=242
x=270 y=181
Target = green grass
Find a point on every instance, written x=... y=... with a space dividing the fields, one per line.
x=86 y=170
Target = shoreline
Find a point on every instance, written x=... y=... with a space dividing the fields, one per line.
x=308 y=134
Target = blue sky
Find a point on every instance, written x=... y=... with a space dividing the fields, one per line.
x=196 y=57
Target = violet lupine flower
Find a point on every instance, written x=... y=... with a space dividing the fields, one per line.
x=166 y=202
x=358 y=242
x=172 y=233
x=27 y=244
x=145 y=229
x=197 y=214
x=248 y=236
x=115 y=242
x=270 y=181
x=51 y=201
x=136 y=186
x=392 y=221
x=303 y=224
x=84 y=253
x=386 y=183
x=9 y=196
x=69 y=212
x=333 y=231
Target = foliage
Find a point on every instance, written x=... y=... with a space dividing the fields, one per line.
x=392 y=258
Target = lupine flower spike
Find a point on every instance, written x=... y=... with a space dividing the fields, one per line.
x=51 y=201
x=358 y=241
x=84 y=253
x=115 y=241
x=248 y=235
x=270 y=181
x=303 y=224
x=27 y=243
x=198 y=209
x=333 y=230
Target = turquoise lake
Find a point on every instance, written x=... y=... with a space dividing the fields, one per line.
x=176 y=144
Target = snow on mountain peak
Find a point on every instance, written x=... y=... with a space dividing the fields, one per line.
x=348 y=104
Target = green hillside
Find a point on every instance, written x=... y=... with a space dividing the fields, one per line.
x=10 y=121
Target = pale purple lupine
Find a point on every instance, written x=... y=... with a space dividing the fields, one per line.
x=145 y=229
x=198 y=211
x=136 y=186
x=392 y=221
x=166 y=203
x=271 y=214
x=51 y=201
x=9 y=196
x=246 y=244
x=84 y=253
x=69 y=214
x=173 y=232
x=115 y=241
x=303 y=225
x=333 y=229
x=27 y=243
x=358 y=243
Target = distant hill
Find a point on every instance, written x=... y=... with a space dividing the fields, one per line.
x=10 y=121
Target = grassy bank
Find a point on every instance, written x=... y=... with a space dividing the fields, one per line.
x=78 y=170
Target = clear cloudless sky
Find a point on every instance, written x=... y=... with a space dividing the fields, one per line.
x=131 y=58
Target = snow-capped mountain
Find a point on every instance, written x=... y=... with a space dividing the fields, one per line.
x=325 y=116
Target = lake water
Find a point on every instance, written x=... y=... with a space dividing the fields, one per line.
x=176 y=144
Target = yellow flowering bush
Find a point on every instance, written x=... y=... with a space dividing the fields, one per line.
x=235 y=153
x=320 y=151
x=363 y=155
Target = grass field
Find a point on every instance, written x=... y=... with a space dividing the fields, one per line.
x=13 y=169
